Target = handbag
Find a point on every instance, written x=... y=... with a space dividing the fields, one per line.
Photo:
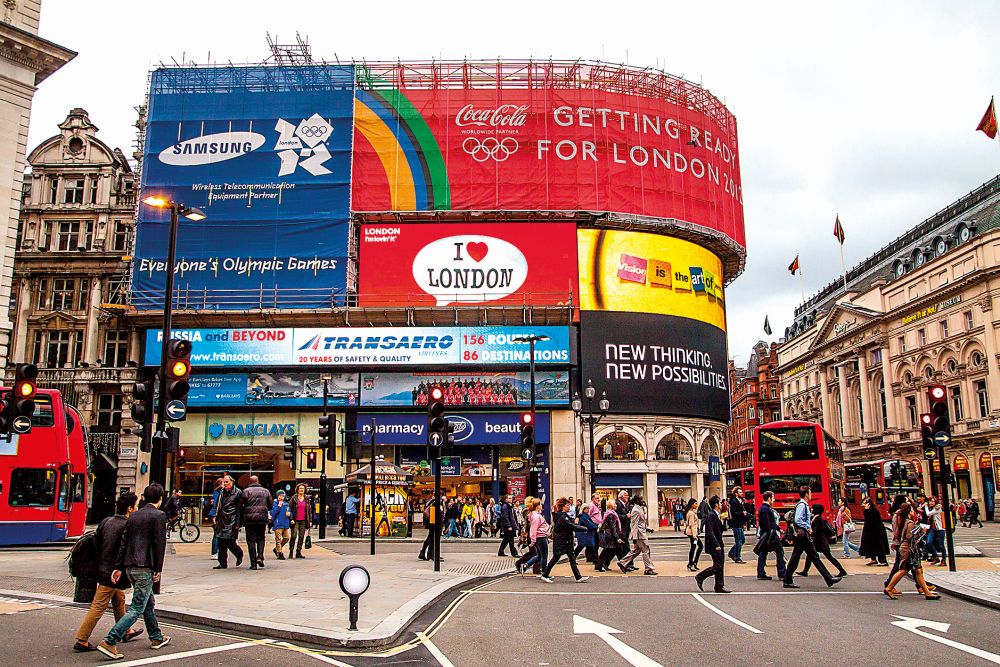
x=309 y=540
x=849 y=527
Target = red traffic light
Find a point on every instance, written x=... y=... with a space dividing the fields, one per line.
x=936 y=392
x=527 y=419
x=436 y=393
x=926 y=419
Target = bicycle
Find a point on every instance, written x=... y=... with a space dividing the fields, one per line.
x=265 y=396
x=189 y=532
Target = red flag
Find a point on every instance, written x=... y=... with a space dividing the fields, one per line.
x=794 y=266
x=838 y=230
x=988 y=125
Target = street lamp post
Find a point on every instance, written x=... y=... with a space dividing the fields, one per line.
x=322 y=470
x=590 y=419
x=531 y=339
x=158 y=472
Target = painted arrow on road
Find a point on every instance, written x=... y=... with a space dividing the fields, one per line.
x=585 y=626
x=913 y=625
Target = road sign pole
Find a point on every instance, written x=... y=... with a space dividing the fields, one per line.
x=371 y=479
x=949 y=527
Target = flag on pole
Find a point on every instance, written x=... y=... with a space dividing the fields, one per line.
x=794 y=266
x=767 y=326
x=838 y=230
x=988 y=125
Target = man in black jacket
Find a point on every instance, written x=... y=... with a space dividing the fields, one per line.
x=738 y=521
x=714 y=546
x=770 y=538
x=255 y=508
x=508 y=526
x=141 y=555
x=107 y=540
x=228 y=519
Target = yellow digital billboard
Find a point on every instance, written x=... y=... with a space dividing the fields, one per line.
x=649 y=273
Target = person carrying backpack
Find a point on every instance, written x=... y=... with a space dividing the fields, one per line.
x=107 y=540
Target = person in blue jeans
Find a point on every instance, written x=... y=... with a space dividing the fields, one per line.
x=144 y=542
x=738 y=521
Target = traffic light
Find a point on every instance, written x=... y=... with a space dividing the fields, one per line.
x=937 y=396
x=291 y=445
x=142 y=413
x=25 y=388
x=437 y=425
x=311 y=459
x=927 y=435
x=178 y=368
x=528 y=436
x=325 y=441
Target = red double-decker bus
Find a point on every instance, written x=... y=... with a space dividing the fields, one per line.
x=791 y=454
x=881 y=480
x=43 y=476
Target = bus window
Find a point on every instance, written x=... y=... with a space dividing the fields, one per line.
x=788 y=444
x=32 y=487
x=78 y=487
x=43 y=415
x=790 y=483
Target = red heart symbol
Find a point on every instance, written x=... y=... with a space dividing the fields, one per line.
x=477 y=251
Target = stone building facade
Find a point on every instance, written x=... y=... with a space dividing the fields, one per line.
x=919 y=312
x=755 y=394
x=71 y=278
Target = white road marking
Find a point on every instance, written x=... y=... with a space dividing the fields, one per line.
x=912 y=624
x=191 y=654
x=323 y=658
x=674 y=593
x=434 y=650
x=726 y=616
x=585 y=626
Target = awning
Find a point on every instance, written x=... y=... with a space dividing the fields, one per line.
x=673 y=479
x=622 y=480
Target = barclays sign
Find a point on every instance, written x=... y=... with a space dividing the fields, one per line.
x=247 y=430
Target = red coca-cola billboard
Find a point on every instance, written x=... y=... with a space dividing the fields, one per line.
x=467 y=264
x=555 y=147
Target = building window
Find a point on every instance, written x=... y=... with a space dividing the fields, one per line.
x=885 y=408
x=944 y=329
x=121 y=235
x=902 y=343
x=907 y=377
x=62 y=293
x=956 y=403
x=88 y=235
x=73 y=191
x=840 y=416
x=83 y=295
x=774 y=391
x=984 y=398
x=619 y=446
x=877 y=356
x=861 y=413
x=929 y=373
x=36 y=348
x=751 y=412
x=911 y=409
x=921 y=337
x=775 y=416
x=969 y=322
x=45 y=242
x=93 y=189
x=673 y=447
x=69 y=234
x=42 y=295
x=57 y=350
x=109 y=409
x=53 y=189
x=116 y=348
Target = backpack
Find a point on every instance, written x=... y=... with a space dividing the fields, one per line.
x=83 y=556
x=789 y=535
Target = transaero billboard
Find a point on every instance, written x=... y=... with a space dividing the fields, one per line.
x=496 y=428
x=364 y=346
x=265 y=152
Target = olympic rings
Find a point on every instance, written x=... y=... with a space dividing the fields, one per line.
x=313 y=130
x=490 y=148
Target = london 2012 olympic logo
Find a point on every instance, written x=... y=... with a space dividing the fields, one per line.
x=490 y=148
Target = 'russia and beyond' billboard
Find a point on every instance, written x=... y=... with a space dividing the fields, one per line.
x=444 y=264
x=364 y=346
x=547 y=147
x=265 y=152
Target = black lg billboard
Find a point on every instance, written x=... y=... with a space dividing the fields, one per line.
x=656 y=364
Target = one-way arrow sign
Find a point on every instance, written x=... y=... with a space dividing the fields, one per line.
x=585 y=626
x=912 y=624
x=176 y=410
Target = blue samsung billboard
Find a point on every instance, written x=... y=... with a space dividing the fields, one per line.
x=265 y=152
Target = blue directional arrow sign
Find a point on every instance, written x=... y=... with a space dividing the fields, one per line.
x=176 y=411
x=942 y=438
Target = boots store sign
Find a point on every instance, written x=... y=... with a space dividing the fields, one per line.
x=445 y=264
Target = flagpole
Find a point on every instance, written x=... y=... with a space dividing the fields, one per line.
x=802 y=285
x=843 y=265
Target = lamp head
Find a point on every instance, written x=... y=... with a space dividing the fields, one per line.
x=156 y=201
x=193 y=214
x=589 y=390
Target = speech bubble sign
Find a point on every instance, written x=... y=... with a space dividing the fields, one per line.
x=471 y=268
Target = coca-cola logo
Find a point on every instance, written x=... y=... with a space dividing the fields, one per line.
x=505 y=115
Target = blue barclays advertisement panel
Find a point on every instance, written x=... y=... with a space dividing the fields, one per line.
x=476 y=390
x=370 y=346
x=497 y=428
x=266 y=154
x=278 y=389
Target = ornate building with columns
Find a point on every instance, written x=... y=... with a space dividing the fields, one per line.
x=25 y=61
x=919 y=311
x=74 y=239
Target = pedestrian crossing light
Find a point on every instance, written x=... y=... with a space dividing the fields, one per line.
x=291 y=445
x=142 y=413
x=937 y=397
x=325 y=441
x=527 y=423
x=311 y=460
x=436 y=430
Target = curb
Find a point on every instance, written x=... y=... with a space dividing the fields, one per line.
x=376 y=637
x=963 y=594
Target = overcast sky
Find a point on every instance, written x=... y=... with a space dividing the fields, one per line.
x=866 y=109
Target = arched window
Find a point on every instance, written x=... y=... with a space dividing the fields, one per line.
x=673 y=447
x=885 y=409
x=619 y=446
x=709 y=448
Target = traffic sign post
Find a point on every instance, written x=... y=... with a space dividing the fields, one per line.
x=176 y=410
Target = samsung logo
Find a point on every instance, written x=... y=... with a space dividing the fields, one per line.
x=211 y=148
